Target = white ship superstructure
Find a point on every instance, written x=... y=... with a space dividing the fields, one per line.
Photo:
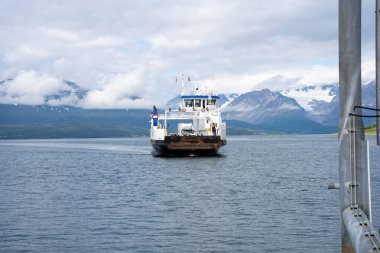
x=203 y=131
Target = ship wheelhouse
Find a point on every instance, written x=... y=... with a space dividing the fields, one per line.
x=198 y=102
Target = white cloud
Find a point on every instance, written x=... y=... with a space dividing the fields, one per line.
x=101 y=42
x=118 y=48
x=71 y=99
x=29 y=87
x=369 y=70
x=26 y=54
x=121 y=91
x=66 y=36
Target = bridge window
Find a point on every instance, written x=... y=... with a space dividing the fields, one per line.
x=189 y=103
x=211 y=102
x=198 y=103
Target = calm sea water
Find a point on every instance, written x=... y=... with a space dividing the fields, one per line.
x=264 y=194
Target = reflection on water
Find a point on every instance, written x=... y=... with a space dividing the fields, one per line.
x=91 y=144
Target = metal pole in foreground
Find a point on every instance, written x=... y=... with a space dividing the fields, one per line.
x=378 y=69
x=349 y=64
x=358 y=234
x=353 y=164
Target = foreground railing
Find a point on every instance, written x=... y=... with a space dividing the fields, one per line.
x=362 y=234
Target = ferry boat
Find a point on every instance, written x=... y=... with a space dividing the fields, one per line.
x=201 y=132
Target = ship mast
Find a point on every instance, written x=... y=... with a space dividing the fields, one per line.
x=183 y=85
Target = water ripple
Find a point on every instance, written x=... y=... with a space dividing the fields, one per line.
x=111 y=195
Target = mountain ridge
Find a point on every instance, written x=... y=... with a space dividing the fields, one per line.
x=270 y=110
x=254 y=112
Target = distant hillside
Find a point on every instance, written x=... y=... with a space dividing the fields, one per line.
x=304 y=110
x=236 y=127
x=25 y=122
x=371 y=129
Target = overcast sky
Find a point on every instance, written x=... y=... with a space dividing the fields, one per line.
x=121 y=48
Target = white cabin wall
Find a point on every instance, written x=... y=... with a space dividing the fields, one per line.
x=157 y=133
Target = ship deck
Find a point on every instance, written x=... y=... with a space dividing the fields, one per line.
x=187 y=145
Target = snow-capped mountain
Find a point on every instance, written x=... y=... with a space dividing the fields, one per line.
x=322 y=103
x=272 y=111
x=226 y=99
x=257 y=106
x=307 y=96
x=369 y=94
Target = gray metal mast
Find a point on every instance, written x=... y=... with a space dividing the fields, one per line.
x=358 y=234
x=378 y=69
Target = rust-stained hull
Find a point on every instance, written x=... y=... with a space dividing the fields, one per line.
x=187 y=145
